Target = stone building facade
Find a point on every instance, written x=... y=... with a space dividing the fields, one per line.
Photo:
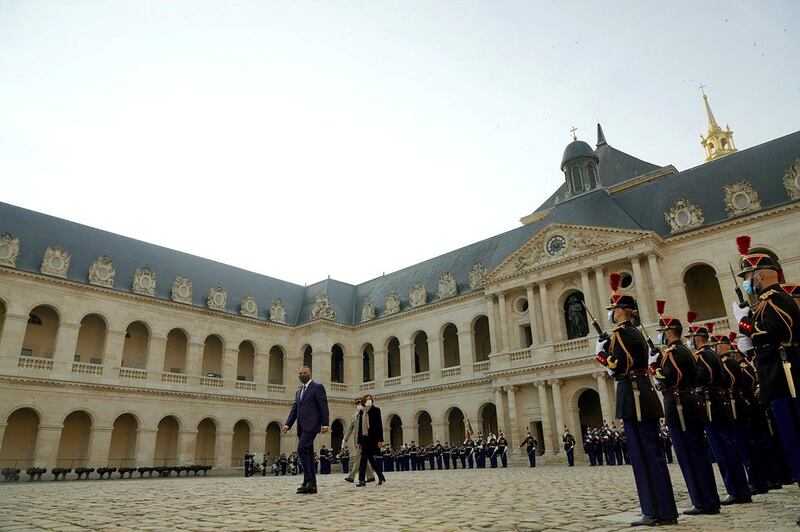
x=113 y=351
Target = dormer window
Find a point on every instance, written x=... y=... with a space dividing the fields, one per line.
x=592 y=171
x=577 y=179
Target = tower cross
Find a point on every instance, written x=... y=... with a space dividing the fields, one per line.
x=573 y=130
x=701 y=87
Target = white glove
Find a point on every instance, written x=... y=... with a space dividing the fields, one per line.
x=744 y=344
x=653 y=358
x=610 y=372
x=740 y=312
x=600 y=347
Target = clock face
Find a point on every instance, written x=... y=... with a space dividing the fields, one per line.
x=556 y=245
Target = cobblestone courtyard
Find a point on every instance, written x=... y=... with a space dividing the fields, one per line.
x=548 y=497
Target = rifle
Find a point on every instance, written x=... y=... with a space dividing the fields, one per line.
x=738 y=290
x=601 y=334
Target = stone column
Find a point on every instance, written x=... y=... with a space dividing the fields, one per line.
x=322 y=366
x=156 y=353
x=550 y=444
x=187 y=440
x=438 y=430
x=500 y=407
x=99 y=446
x=194 y=362
x=501 y=298
x=66 y=342
x=258 y=443
x=379 y=355
x=407 y=362
x=586 y=287
x=261 y=368
x=535 y=332
x=558 y=408
x=655 y=276
x=11 y=341
x=548 y=331
x=115 y=343
x=514 y=437
x=223 y=449
x=642 y=296
x=435 y=357
x=466 y=353
x=602 y=295
x=229 y=369
x=493 y=339
x=145 y=447
x=605 y=401
x=47 y=446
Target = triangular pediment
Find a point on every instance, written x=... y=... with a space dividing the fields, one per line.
x=559 y=243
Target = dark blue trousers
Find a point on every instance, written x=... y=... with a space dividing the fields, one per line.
x=609 y=452
x=618 y=454
x=493 y=459
x=650 y=469
x=345 y=465
x=787 y=424
x=592 y=460
x=431 y=462
x=720 y=437
x=305 y=450
x=532 y=458
x=698 y=473
x=571 y=456
x=754 y=464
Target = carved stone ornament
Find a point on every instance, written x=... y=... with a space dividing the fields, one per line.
x=418 y=295
x=740 y=198
x=448 y=287
x=144 y=281
x=102 y=272
x=277 y=311
x=367 y=310
x=249 y=306
x=9 y=250
x=217 y=298
x=683 y=215
x=322 y=308
x=476 y=275
x=555 y=246
x=791 y=180
x=392 y=304
x=182 y=290
x=56 y=261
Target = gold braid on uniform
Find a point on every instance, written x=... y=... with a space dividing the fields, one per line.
x=612 y=363
x=758 y=314
x=699 y=357
x=671 y=357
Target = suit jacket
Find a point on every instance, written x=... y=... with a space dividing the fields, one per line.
x=311 y=413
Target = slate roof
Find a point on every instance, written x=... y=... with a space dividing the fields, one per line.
x=639 y=207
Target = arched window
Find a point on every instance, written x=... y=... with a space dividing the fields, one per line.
x=393 y=357
x=703 y=293
x=592 y=175
x=576 y=176
x=337 y=364
x=368 y=363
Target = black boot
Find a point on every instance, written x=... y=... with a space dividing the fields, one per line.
x=646 y=520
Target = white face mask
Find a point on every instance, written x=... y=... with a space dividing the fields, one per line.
x=369 y=402
x=360 y=407
x=611 y=316
x=690 y=344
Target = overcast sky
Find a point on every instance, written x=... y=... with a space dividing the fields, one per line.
x=307 y=139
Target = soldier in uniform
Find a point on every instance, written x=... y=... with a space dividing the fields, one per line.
x=772 y=332
x=625 y=355
x=437 y=451
x=469 y=448
x=793 y=290
x=502 y=449
x=617 y=445
x=325 y=461
x=431 y=453
x=588 y=447
x=530 y=447
x=666 y=443
x=676 y=375
x=713 y=380
x=446 y=455
x=569 y=447
x=480 y=452
x=264 y=461
x=344 y=459
x=743 y=435
x=462 y=455
x=248 y=464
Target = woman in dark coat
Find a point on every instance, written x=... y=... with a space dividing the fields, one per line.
x=370 y=436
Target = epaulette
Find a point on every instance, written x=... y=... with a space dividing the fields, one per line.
x=669 y=348
x=744 y=365
x=766 y=294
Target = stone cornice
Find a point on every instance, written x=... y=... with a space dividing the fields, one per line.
x=416 y=310
x=559 y=364
x=435 y=388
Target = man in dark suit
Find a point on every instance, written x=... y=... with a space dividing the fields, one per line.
x=310 y=410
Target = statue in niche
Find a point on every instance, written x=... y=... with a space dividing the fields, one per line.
x=575 y=316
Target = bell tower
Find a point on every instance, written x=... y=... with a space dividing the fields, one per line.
x=717 y=142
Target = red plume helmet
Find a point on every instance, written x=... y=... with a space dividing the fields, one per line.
x=691 y=316
x=615 y=279
x=710 y=327
x=731 y=336
x=660 y=305
x=743 y=243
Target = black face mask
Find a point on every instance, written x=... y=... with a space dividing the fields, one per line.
x=305 y=378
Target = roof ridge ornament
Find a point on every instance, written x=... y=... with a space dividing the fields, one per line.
x=601 y=137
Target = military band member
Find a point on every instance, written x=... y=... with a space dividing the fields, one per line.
x=462 y=455
x=344 y=459
x=438 y=450
x=714 y=384
x=588 y=447
x=625 y=355
x=530 y=447
x=446 y=455
x=491 y=451
x=772 y=332
x=676 y=375
x=248 y=464
x=480 y=453
x=469 y=447
x=502 y=449
x=325 y=461
x=617 y=445
x=431 y=453
x=569 y=447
